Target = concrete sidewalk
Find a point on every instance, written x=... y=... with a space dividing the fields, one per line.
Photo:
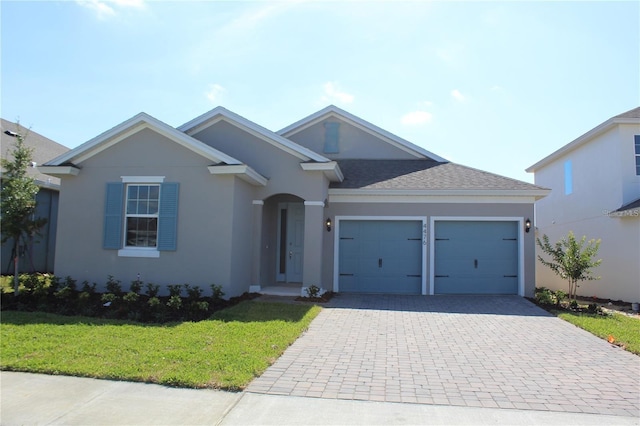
x=34 y=399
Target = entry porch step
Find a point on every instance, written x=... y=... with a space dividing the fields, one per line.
x=279 y=289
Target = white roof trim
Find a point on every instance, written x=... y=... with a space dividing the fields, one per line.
x=536 y=193
x=220 y=113
x=372 y=129
x=134 y=125
x=243 y=171
x=59 y=170
x=581 y=140
x=330 y=169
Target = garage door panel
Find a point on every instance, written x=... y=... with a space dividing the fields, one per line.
x=389 y=256
x=476 y=257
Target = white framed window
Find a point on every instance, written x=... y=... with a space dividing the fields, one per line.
x=637 y=152
x=141 y=215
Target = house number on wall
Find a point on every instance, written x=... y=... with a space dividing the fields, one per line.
x=424 y=234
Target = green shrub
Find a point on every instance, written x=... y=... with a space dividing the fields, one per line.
x=216 y=293
x=174 y=290
x=152 y=290
x=113 y=285
x=544 y=296
x=175 y=303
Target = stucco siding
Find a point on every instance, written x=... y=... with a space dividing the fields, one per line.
x=352 y=143
x=282 y=169
x=604 y=179
x=428 y=210
x=242 y=238
x=203 y=211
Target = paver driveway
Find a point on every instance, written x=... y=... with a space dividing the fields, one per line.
x=480 y=351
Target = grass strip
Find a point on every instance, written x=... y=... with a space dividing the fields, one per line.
x=226 y=352
x=624 y=330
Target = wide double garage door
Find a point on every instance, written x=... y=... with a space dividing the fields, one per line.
x=470 y=257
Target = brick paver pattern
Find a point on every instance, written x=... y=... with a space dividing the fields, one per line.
x=478 y=351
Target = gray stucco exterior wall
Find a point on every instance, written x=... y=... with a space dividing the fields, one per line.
x=206 y=215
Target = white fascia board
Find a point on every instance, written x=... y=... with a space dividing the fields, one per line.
x=579 y=141
x=59 y=170
x=330 y=169
x=435 y=196
x=363 y=125
x=243 y=171
x=220 y=113
x=132 y=126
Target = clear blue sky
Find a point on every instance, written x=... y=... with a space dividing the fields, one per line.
x=492 y=85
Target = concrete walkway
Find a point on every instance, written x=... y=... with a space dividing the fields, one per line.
x=33 y=399
x=379 y=360
x=468 y=351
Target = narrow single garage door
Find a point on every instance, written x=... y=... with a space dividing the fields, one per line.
x=380 y=256
x=476 y=257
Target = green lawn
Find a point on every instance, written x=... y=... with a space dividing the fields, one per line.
x=624 y=330
x=226 y=352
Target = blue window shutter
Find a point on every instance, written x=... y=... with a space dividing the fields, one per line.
x=112 y=237
x=168 y=216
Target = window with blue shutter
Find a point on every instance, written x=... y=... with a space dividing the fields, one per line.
x=140 y=217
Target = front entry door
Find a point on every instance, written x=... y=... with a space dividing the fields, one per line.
x=291 y=242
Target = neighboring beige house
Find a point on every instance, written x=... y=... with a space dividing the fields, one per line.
x=38 y=254
x=331 y=201
x=595 y=182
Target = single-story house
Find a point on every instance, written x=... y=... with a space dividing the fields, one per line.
x=331 y=201
x=38 y=254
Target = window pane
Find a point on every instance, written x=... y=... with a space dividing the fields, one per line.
x=153 y=207
x=142 y=231
x=154 y=192
x=132 y=192
x=144 y=192
x=132 y=207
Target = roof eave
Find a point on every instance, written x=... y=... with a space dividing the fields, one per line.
x=59 y=170
x=581 y=140
x=536 y=193
x=243 y=172
x=220 y=113
x=134 y=125
x=331 y=170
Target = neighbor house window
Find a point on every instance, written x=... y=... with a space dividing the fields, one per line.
x=141 y=229
x=637 y=137
x=568 y=177
x=141 y=216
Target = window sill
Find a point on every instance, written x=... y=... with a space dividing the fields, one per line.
x=138 y=252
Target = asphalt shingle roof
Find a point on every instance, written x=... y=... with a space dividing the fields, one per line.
x=44 y=149
x=630 y=206
x=634 y=113
x=421 y=175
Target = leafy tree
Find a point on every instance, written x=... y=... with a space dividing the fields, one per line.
x=571 y=259
x=18 y=200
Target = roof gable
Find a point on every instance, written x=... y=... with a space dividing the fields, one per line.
x=132 y=126
x=220 y=113
x=629 y=117
x=333 y=111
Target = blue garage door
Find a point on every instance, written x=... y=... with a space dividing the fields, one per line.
x=380 y=256
x=476 y=257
